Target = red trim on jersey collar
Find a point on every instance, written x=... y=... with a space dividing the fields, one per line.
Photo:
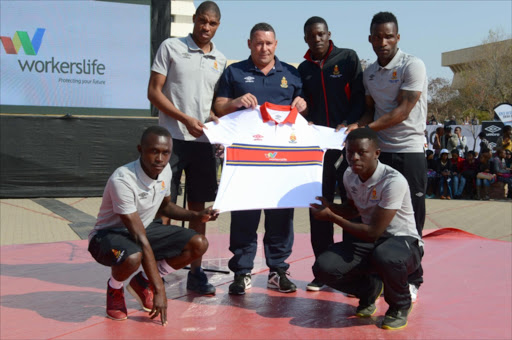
x=309 y=57
x=292 y=116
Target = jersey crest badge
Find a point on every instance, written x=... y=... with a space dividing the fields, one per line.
x=373 y=196
x=394 y=77
x=258 y=137
x=293 y=138
x=284 y=83
x=215 y=65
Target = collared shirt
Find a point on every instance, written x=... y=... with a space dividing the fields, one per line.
x=388 y=189
x=273 y=158
x=383 y=84
x=192 y=77
x=129 y=189
x=280 y=86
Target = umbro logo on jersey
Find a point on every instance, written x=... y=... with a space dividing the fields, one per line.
x=372 y=76
x=257 y=137
x=353 y=190
x=249 y=79
x=143 y=195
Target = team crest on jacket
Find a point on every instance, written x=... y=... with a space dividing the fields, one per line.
x=336 y=72
x=284 y=83
x=293 y=138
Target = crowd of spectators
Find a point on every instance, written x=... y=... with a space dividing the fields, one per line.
x=454 y=172
x=452 y=121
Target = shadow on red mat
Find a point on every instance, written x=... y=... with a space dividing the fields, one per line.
x=56 y=290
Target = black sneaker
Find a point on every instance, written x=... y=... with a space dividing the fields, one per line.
x=197 y=281
x=314 y=286
x=241 y=283
x=367 y=310
x=396 y=319
x=279 y=280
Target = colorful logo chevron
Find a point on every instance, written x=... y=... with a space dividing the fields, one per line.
x=31 y=47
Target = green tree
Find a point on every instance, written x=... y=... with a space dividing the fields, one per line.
x=487 y=80
x=441 y=97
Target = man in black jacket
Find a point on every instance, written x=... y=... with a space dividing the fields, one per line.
x=333 y=88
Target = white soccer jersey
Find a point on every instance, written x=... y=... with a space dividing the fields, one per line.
x=272 y=159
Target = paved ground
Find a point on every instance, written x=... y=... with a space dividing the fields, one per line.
x=63 y=219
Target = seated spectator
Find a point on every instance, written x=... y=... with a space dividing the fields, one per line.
x=431 y=175
x=459 y=142
x=452 y=121
x=432 y=120
x=444 y=170
x=505 y=141
x=484 y=143
x=458 y=181
x=484 y=177
x=469 y=171
x=448 y=143
x=438 y=141
x=508 y=158
x=501 y=170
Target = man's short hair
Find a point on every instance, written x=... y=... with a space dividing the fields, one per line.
x=208 y=6
x=455 y=152
x=429 y=152
x=313 y=21
x=383 y=18
x=262 y=26
x=471 y=153
x=154 y=130
x=364 y=133
x=507 y=128
x=447 y=129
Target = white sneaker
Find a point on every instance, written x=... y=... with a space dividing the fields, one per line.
x=414 y=292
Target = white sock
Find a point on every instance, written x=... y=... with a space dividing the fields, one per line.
x=164 y=268
x=114 y=283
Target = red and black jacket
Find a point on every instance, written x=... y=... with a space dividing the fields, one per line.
x=333 y=88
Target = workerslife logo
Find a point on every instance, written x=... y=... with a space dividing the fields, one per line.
x=21 y=41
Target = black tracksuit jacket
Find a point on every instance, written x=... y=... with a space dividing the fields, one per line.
x=333 y=88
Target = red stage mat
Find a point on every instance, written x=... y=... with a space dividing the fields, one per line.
x=57 y=291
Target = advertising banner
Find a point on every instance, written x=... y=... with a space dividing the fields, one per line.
x=504 y=113
x=493 y=131
x=76 y=54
